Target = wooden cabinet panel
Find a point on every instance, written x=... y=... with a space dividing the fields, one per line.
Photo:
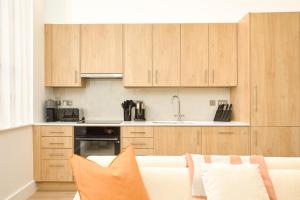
x=101 y=48
x=137 y=55
x=56 y=170
x=194 y=55
x=275 y=141
x=166 y=55
x=62 y=55
x=56 y=154
x=60 y=131
x=143 y=152
x=275 y=71
x=222 y=55
x=137 y=131
x=177 y=140
x=56 y=142
x=225 y=141
x=138 y=143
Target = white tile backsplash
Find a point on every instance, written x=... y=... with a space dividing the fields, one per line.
x=101 y=99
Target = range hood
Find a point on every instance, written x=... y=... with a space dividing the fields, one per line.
x=102 y=75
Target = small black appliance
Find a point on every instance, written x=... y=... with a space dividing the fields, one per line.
x=51 y=111
x=139 y=114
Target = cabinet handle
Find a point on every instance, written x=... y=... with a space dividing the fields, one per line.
x=226 y=132
x=56 y=132
x=76 y=76
x=56 y=165
x=213 y=75
x=56 y=143
x=255 y=91
x=198 y=143
x=138 y=132
x=256 y=138
x=56 y=154
x=156 y=75
x=149 y=76
x=142 y=144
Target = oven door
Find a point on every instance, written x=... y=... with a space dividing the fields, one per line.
x=97 y=146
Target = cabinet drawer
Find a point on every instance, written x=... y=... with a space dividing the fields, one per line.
x=143 y=152
x=56 y=170
x=62 y=131
x=137 y=131
x=57 y=142
x=143 y=143
x=56 y=154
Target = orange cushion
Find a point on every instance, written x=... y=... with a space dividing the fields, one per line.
x=120 y=180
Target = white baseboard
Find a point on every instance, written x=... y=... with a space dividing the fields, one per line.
x=23 y=192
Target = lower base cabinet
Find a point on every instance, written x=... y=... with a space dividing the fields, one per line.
x=225 y=141
x=275 y=141
x=177 y=140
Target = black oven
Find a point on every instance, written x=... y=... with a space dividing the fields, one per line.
x=95 y=141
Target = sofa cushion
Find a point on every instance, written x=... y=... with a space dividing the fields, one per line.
x=233 y=182
x=121 y=180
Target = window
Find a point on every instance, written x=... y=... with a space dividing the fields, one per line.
x=16 y=62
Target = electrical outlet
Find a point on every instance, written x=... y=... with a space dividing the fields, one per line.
x=212 y=102
x=222 y=101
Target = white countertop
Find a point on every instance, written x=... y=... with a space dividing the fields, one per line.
x=150 y=123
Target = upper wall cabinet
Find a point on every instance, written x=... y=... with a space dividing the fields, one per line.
x=194 y=55
x=166 y=55
x=275 y=69
x=62 y=56
x=137 y=55
x=222 y=55
x=101 y=48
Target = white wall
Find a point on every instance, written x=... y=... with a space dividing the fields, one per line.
x=134 y=11
x=40 y=93
x=16 y=163
x=101 y=99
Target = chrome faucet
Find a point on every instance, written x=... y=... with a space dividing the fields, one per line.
x=179 y=115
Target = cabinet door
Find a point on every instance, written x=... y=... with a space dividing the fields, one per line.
x=177 y=140
x=275 y=141
x=137 y=55
x=194 y=55
x=225 y=141
x=166 y=55
x=222 y=55
x=275 y=71
x=64 y=58
x=101 y=48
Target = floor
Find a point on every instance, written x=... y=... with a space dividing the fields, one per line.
x=53 y=195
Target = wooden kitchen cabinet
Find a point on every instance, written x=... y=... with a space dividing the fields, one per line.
x=101 y=48
x=177 y=140
x=275 y=141
x=52 y=148
x=275 y=71
x=194 y=55
x=137 y=55
x=166 y=55
x=225 y=141
x=222 y=55
x=62 y=55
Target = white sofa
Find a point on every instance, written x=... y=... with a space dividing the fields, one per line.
x=167 y=178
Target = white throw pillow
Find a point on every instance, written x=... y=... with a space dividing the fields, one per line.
x=233 y=182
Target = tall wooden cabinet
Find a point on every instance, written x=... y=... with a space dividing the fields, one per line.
x=101 y=48
x=194 y=55
x=275 y=69
x=275 y=141
x=177 y=140
x=222 y=55
x=137 y=55
x=166 y=55
x=62 y=55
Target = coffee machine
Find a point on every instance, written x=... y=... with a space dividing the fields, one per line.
x=139 y=111
x=51 y=111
